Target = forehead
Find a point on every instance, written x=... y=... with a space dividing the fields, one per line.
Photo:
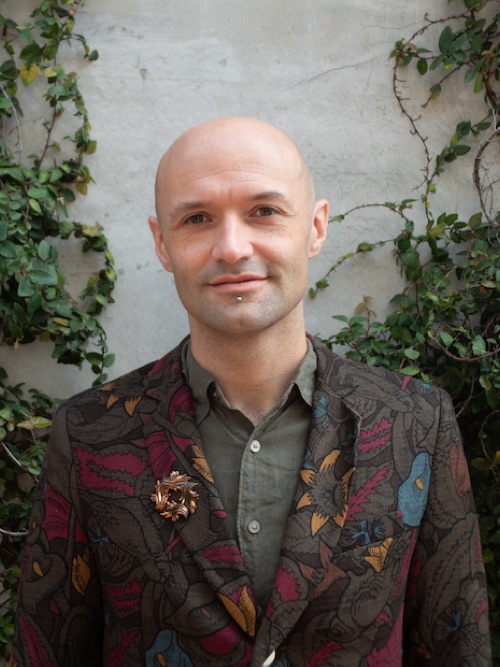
x=226 y=164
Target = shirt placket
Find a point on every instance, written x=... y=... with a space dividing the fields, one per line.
x=251 y=520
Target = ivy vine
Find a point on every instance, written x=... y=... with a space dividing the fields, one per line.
x=35 y=301
x=444 y=326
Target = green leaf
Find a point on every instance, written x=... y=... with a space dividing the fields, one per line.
x=480 y=463
x=488 y=556
x=410 y=370
x=62 y=321
x=478 y=346
x=485 y=383
x=412 y=258
x=46 y=275
x=35 y=206
x=478 y=83
x=26 y=36
x=25 y=287
x=446 y=338
x=94 y=358
x=365 y=247
x=31 y=53
x=37 y=193
x=68 y=194
x=55 y=175
x=101 y=299
x=16 y=173
x=464 y=128
x=435 y=90
x=91 y=148
x=5 y=103
x=475 y=220
x=109 y=360
x=35 y=303
x=8 y=249
x=8 y=70
x=34 y=422
x=471 y=4
x=446 y=40
x=422 y=66
x=411 y=353
x=43 y=250
x=470 y=74
x=461 y=149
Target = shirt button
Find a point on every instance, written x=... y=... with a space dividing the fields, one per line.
x=254 y=526
x=255 y=446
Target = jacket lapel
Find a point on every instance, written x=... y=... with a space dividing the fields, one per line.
x=174 y=444
x=313 y=528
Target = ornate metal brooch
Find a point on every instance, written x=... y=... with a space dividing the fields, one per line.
x=175 y=496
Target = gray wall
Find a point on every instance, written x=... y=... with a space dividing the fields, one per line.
x=319 y=69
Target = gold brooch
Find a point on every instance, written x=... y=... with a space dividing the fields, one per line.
x=174 y=496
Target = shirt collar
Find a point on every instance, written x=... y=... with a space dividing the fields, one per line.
x=204 y=388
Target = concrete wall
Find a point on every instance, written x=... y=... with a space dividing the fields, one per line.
x=319 y=69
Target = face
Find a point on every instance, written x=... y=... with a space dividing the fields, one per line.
x=236 y=226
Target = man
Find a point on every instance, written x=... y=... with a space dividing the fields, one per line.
x=251 y=498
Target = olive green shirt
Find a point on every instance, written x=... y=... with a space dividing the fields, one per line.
x=255 y=468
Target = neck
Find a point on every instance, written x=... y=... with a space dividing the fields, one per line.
x=252 y=371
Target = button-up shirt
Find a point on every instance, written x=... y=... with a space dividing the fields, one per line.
x=255 y=468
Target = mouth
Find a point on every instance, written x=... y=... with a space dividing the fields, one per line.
x=239 y=283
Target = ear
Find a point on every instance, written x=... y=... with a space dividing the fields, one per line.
x=161 y=250
x=319 y=226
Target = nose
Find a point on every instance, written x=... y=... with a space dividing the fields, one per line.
x=232 y=240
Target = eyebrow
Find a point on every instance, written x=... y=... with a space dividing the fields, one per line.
x=269 y=194
x=185 y=207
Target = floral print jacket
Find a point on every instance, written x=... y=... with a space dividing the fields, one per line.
x=380 y=563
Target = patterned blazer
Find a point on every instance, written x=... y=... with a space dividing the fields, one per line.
x=380 y=563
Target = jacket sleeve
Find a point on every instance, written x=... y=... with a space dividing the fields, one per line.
x=446 y=610
x=59 y=615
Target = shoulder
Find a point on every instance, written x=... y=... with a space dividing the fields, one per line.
x=356 y=381
x=414 y=416
x=129 y=396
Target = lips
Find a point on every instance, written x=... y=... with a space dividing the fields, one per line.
x=237 y=283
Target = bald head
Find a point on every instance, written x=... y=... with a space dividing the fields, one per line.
x=229 y=144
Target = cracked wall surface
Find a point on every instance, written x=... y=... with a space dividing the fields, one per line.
x=318 y=69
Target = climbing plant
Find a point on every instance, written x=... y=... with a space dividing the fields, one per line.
x=444 y=326
x=37 y=186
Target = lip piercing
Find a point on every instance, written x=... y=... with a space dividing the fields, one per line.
x=239 y=298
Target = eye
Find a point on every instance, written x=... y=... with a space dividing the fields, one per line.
x=265 y=211
x=195 y=219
